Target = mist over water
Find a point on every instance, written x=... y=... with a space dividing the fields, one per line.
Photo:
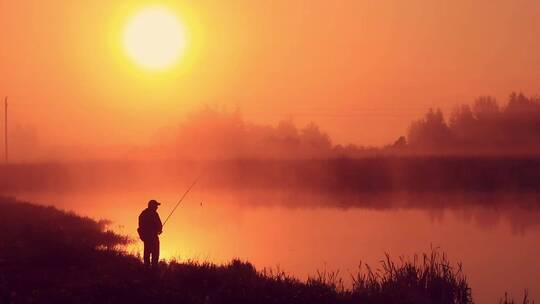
x=496 y=236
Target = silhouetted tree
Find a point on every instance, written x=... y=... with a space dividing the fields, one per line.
x=430 y=133
x=400 y=143
x=486 y=108
x=220 y=134
x=314 y=141
x=463 y=126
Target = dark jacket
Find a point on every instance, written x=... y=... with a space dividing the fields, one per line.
x=149 y=224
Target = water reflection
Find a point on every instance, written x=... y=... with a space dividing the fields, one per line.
x=487 y=210
x=496 y=236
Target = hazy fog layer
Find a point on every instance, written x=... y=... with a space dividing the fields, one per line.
x=486 y=127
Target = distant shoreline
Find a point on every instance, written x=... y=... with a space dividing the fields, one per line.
x=416 y=174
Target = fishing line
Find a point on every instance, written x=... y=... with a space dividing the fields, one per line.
x=181 y=199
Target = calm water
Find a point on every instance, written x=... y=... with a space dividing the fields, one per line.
x=497 y=237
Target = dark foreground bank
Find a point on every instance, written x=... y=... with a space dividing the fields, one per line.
x=50 y=256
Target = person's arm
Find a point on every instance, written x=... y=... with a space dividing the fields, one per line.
x=160 y=225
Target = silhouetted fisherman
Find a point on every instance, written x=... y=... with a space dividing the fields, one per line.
x=150 y=228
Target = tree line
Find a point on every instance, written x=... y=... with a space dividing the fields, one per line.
x=485 y=127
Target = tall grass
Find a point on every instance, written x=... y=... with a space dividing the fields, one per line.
x=431 y=279
x=509 y=300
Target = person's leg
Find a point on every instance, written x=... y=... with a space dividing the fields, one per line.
x=146 y=255
x=155 y=253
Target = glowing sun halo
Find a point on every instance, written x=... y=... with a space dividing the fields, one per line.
x=154 y=38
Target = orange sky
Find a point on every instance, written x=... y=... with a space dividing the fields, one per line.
x=360 y=69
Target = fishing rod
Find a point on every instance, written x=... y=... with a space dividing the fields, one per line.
x=181 y=199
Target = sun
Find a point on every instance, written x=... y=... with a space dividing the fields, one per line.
x=155 y=38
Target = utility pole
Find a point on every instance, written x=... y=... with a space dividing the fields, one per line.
x=6 y=128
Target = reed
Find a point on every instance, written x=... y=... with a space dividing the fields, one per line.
x=429 y=279
x=508 y=300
